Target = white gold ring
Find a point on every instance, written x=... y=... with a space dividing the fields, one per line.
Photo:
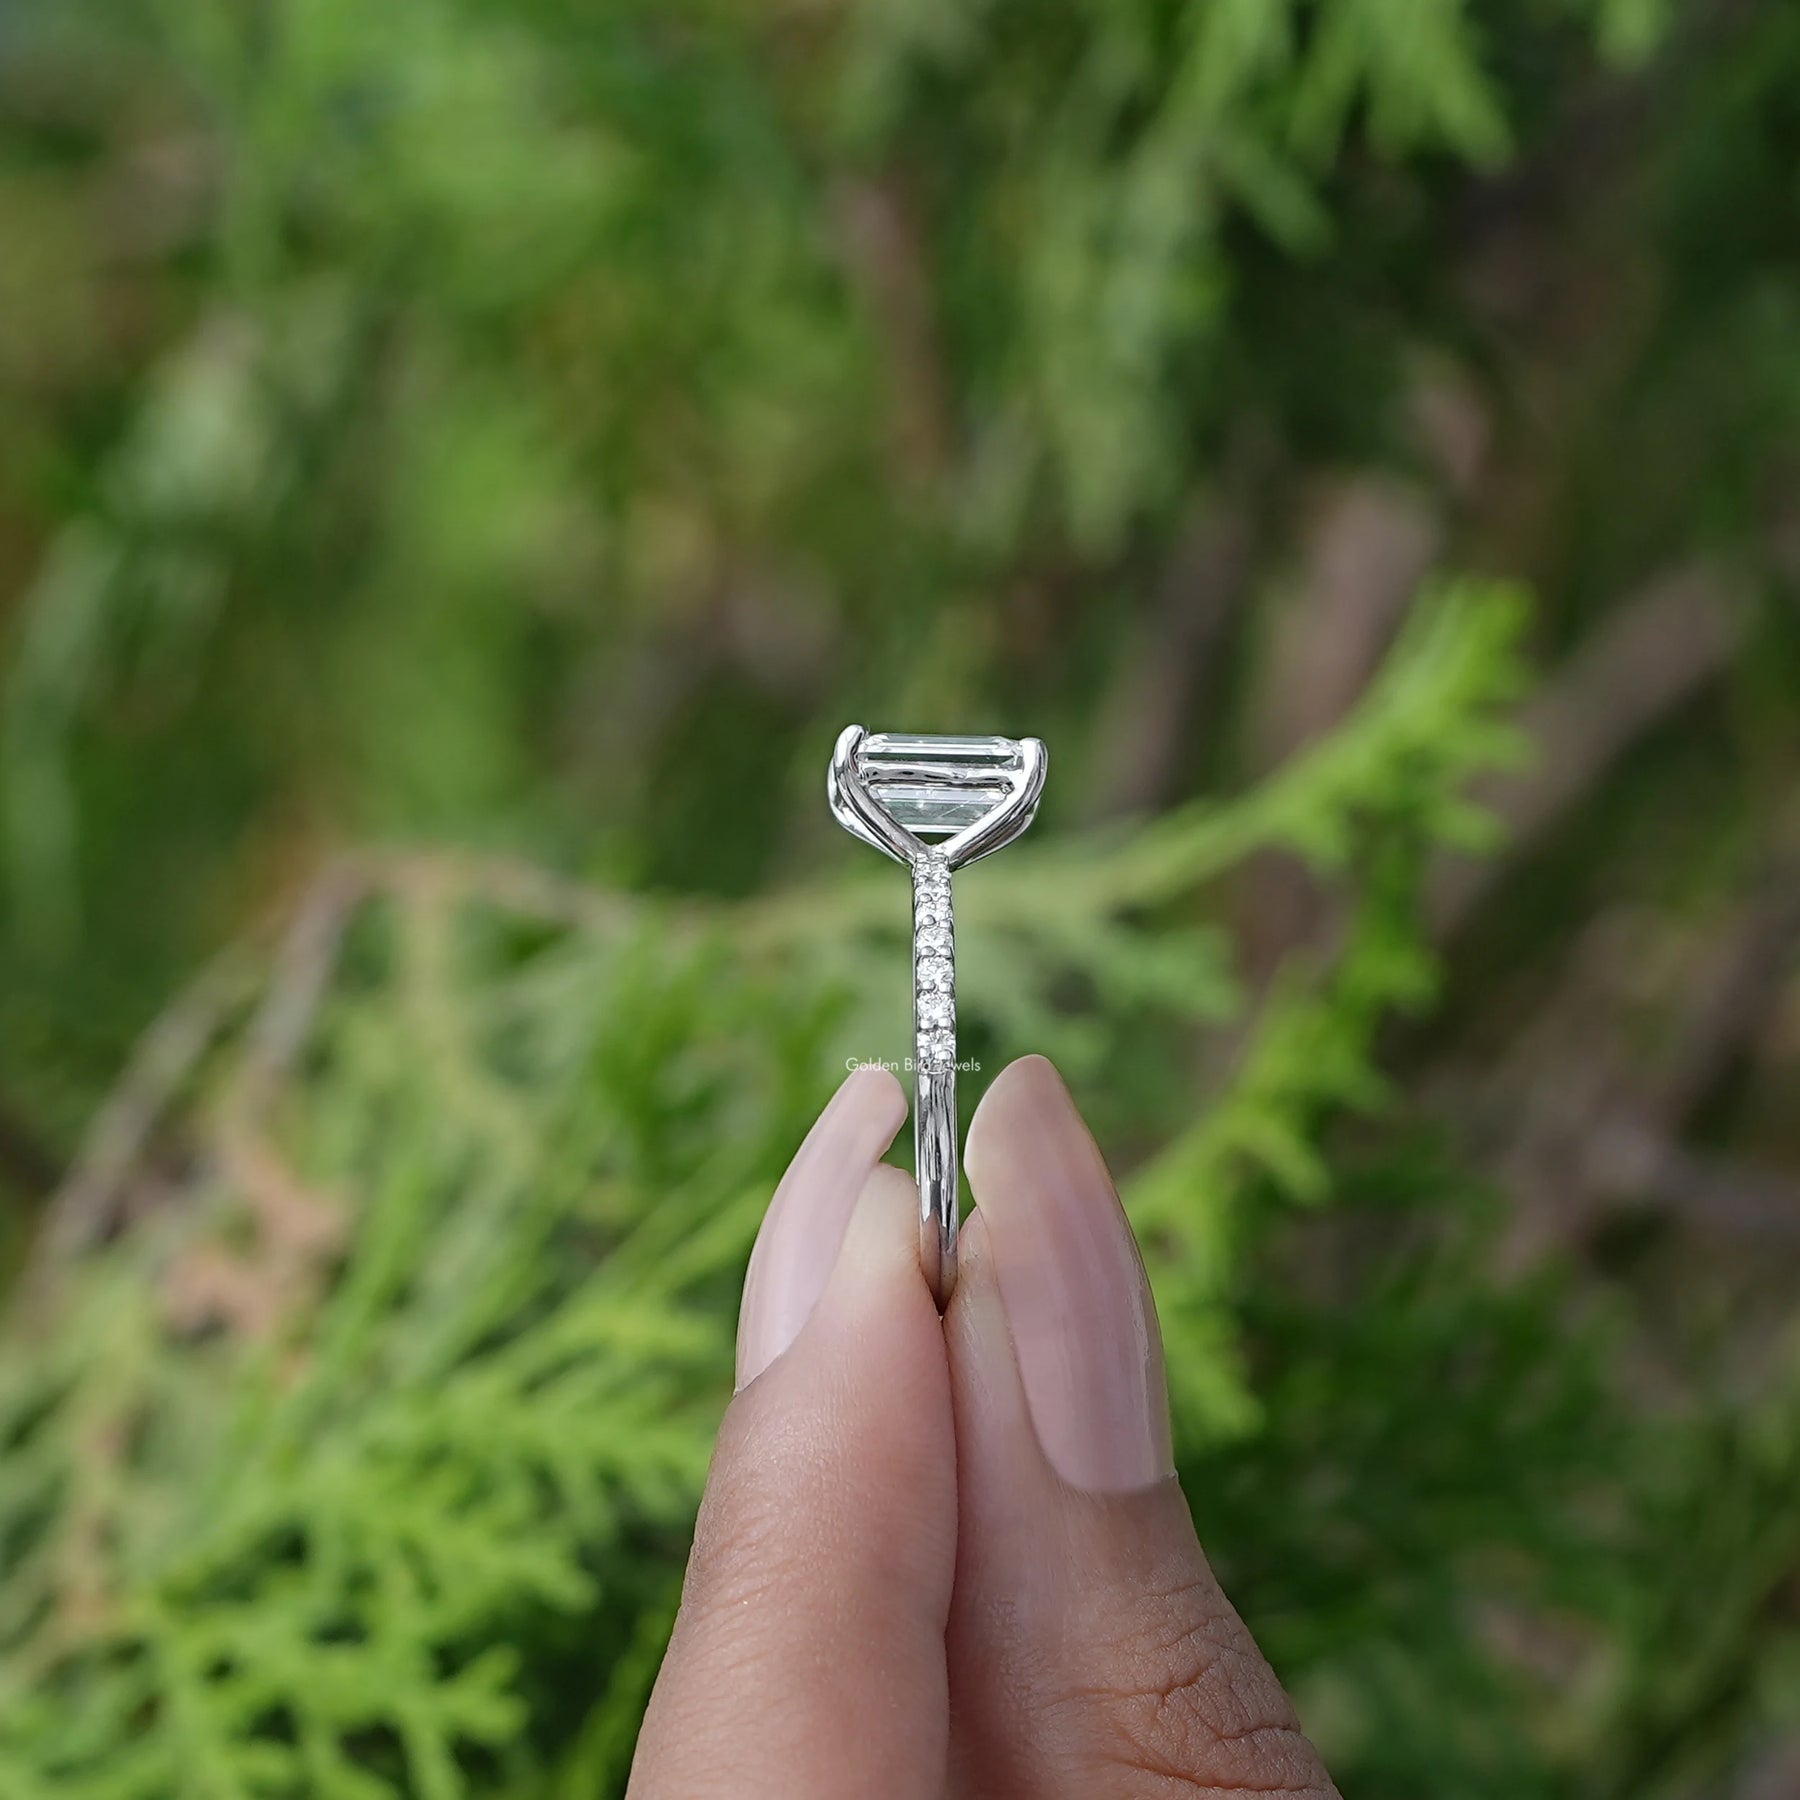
x=974 y=795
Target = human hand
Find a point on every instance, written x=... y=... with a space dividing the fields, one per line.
x=951 y=1558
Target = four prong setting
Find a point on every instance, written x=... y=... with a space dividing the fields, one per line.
x=971 y=795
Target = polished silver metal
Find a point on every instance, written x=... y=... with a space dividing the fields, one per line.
x=974 y=795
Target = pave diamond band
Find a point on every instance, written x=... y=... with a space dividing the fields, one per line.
x=975 y=795
x=934 y=966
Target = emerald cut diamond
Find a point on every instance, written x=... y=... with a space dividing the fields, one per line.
x=936 y=786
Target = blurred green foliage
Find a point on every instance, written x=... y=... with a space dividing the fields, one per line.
x=517 y=438
x=339 y=1479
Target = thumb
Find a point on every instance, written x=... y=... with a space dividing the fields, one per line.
x=1091 y=1651
x=807 y=1661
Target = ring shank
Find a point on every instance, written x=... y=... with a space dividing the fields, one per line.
x=935 y=1158
x=934 y=1069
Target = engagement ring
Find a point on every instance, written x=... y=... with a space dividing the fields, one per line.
x=974 y=795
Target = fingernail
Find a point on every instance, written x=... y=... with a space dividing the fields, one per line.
x=1078 y=1307
x=804 y=1226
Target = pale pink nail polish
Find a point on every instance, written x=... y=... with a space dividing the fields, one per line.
x=804 y=1226
x=1078 y=1306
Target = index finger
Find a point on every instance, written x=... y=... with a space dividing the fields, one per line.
x=807 y=1661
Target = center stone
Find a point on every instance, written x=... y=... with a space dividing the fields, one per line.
x=935 y=786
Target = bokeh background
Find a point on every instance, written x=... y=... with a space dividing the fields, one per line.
x=461 y=464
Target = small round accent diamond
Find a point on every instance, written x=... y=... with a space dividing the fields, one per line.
x=937 y=1049
x=935 y=1011
x=936 y=973
x=934 y=940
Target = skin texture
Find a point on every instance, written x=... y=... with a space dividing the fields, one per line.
x=948 y=1558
